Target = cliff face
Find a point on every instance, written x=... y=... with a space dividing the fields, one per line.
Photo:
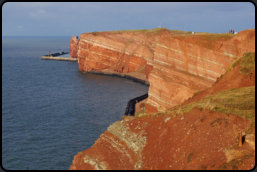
x=74 y=47
x=176 y=65
x=206 y=133
x=183 y=65
x=215 y=129
x=119 y=54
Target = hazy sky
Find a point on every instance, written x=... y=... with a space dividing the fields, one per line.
x=74 y=18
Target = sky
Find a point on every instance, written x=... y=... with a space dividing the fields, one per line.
x=75 y=18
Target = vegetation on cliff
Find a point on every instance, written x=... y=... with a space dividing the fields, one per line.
x=247 y=63
x=214 y=129
x=239 y=102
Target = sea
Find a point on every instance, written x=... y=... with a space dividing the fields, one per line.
x=51 y=110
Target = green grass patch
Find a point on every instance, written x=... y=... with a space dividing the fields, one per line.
x=247 y=63
x=208 y=39
x=240 y=102
x=197 y=92
x=155 y=30
x=181 y=32
x=233 y=65
x=217 y=36
x=139 y=114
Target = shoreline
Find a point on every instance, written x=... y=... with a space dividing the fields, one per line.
x=129 y=77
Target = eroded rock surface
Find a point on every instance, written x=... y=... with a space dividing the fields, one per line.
x=74 y=47
x=200 y=137
x=176 y=65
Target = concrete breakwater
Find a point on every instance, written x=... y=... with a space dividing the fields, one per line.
x=58 y=58
x=130 y=110
x=56 y=54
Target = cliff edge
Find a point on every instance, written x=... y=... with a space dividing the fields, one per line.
x=200 y=113
x=176 y=64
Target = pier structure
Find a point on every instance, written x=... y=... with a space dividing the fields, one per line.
x=57 y=56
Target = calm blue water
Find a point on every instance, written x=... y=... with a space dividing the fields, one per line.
x=51 y=111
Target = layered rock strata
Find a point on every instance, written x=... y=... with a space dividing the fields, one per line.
x=185 y=65
x=74 y=47
x=197 y=137
x=176 y=65
x=163 y=143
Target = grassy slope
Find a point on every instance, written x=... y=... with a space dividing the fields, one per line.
x=240 y=101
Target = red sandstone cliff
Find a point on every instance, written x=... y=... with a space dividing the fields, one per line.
x=176 y=65
x=197 y=134
x=74 y=47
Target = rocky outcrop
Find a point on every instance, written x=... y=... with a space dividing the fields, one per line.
x=74 y=47
x=99 y=52
x=176 y=65
x=199 y=139
x=185 y=142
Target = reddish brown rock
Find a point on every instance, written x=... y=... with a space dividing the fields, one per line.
x=150 y=109
x=74 y=47
x=164 y=143
x=183 y=65
x=176 y=66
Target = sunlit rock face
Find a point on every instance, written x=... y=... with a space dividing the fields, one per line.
x=185 y=65
x=74 y=47
x=176 y=65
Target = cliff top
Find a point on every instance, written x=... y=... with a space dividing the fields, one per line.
x=159 y=31
x=148 y=37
